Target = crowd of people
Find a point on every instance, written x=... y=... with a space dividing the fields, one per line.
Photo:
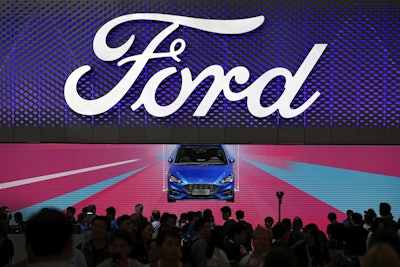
x=194 y=240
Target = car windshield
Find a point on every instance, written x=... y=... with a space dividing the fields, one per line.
x=201 y=155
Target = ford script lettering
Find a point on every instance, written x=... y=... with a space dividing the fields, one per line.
x=221 y=81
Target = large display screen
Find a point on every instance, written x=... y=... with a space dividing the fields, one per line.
x=315 y=180
x=196 y=64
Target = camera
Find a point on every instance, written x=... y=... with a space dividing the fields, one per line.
x=279 y=194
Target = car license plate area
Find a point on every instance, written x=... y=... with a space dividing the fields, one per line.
x=201 y=192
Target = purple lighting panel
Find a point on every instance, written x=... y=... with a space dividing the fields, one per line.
x=43 y=42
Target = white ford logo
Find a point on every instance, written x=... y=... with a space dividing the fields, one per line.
x=221 y=82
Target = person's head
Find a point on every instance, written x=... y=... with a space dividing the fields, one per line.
x=203 y=227
x=369 y=216
x=310 y=232
x=139 y=209
x=169 y=242
x=110 y=213
x=297 y=223
x=155 y=215
x=171 y=220
x=183 y=218
x=5 y=213
x=240 y=215
x=281 y=233
x=385 y=209
x=382 y=254
x=124 y=222
x=121 y=244
x=287 y=222
x=91 y=208
x=226 y=212
x=237 y=233
x=348 y=214
x=207 y=213
x=269 y=222
x=387 y=236
x=18 y=217
x=100 y=227
x=70 y=212
x=356 y=218
x=193 y=216
x=332 y=217
x=48 y=237
x=262 y=239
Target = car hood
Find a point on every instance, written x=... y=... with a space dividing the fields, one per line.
x=201 y=173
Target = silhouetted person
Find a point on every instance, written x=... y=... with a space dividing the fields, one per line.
x=70 y=214
x=386 y=219
x=48 y=239
x=336 y=232
x=249 y=229
x=6 y=248
x=226 y=213
x=110 y=213
x=20 y=222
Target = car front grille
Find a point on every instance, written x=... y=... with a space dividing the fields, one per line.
x=189 y=188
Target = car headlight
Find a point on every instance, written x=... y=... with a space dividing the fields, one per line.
x=227 y=179
x=173 y=179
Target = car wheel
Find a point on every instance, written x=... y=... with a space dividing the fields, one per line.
x=231 y=199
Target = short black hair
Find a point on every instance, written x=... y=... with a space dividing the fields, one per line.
x=240 y=214
x=269 y=219
x=71 y=209
x=18 y=216
x=166 y=232
x=104 y=219
x=156 y=215
x=200 y=222
x=357 y=218
x=91 y=208
x=48 y=232
x=111 y=210
x=207 y=213
x=332 y=216
x=122 y=218
x=226 y=209
x=384 y=209
x=312 y=228
x=279 y=230
x=297 y=222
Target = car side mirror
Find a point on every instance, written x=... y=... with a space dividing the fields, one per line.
x=231 y=160
x=170 y=160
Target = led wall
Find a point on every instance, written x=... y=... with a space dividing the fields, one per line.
x=315 y=180
x=343 y=53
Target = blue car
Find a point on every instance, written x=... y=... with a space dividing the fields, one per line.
x=201 y=172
